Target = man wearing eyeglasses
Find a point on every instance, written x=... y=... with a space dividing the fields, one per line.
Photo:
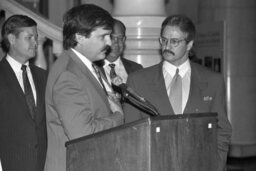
x=177 y=85
x=115 y=61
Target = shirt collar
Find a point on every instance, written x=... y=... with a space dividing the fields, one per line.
x=171 y=69
x=116 y=62
x=16 y=66
x=86 y=61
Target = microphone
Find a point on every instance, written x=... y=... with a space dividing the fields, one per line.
x=130 y=94
x=117 y=81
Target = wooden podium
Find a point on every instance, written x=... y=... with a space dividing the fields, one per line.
x=163 y=143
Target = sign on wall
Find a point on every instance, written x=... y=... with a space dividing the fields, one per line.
x=209 y=45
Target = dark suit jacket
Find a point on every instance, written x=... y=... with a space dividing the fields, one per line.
x=76 y=106
x=130 y=66
x=207 y=94
x=23 y=141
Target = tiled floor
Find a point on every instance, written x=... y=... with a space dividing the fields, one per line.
x=241 y=164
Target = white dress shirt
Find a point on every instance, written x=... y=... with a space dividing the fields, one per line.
x=169 y=71
x=16 y=66
x=119 y=68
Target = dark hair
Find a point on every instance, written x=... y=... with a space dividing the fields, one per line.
x=84 y=19
x=183 y=22
x=12 y=26
x=2 y=14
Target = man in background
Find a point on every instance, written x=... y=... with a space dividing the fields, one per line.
x=79 y=100
x=23 y=138
x=177 y=85
x=115 y=61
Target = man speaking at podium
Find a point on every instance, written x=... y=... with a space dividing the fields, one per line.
x=176 y=85
x=79 y=100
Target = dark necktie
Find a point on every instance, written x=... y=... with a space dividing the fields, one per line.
x=176 y=93
x=99 y=77
x=28 y=92
x=112 y=73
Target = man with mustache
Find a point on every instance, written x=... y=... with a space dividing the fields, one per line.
x=23 y=137
x=79 y=100
x=177 y=85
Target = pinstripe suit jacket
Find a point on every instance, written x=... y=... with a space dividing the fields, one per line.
x=23 y=141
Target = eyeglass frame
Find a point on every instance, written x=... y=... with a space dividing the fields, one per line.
x=175 y=42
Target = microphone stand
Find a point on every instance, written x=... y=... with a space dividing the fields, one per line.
x=142 y=103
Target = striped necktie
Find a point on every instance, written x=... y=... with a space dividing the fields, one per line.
x=112 y=73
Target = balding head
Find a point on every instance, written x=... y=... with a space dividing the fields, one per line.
x=118 y=41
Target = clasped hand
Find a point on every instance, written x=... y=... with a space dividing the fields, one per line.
x=114 y=102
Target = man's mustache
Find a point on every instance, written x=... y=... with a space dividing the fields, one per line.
x=107 y=49
x=168 y=51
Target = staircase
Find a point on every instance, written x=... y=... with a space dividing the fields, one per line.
x=45 y=28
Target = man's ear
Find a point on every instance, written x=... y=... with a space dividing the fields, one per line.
x=79 y=38
x=190 y=45
x=11 y=38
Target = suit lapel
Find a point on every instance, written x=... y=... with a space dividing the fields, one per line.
x=14 y=86
x=40 y=94
x=37 y=83
x=12 y=80
x=103 y=76
x=127 y=66
x=88 y=74
x=158 y=89
x=103 y=71
x=197 y=86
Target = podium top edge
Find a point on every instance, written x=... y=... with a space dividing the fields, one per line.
x=183 y=116
x=148 y=120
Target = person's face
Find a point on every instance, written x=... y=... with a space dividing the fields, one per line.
x=23 y=46
x=173 y=45
x=95 y=46
x=118 y=42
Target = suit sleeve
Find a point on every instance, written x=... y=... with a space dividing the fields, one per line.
x=75 y=109
x=223 y=127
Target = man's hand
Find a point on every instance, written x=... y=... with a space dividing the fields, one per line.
x=114 y=102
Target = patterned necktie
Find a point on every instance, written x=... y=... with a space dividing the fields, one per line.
x=175 y=96
x=28 y=92
x=112 y=73
x=99 y=77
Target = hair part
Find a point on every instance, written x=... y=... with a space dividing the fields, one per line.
x=83 y=20
x=184 y=23
x=12 y=26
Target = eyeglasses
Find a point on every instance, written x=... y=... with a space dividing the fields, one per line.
x=117 y=38
x=173 y=41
